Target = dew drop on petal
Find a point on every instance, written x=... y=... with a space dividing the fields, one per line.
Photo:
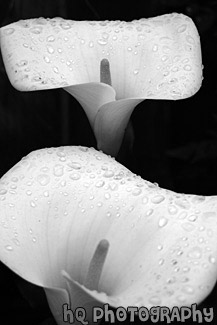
x=55 y=69
x=3 y=191
x=182 y=28
x=50 y=38
x=162 y=222
x=136 y=191
x=74 y=165
x=32 y=204
x=100 y=183
x=108 y=173
x=161 y=261
x=182 y=215
x=195 y=252
x=149 y=212
x=192 y=218
x=50 y=49
x=58 y=170
x=172 y=209
x=181 y=298
x=75 y=176
x=158 y=199
x=9 y=248
x=36 y=30
x=43 y=179
x=9 y=31
x=107 y=196
x=212 y=259
x=188 y=289
x=188 y=226
x=145 y=200
x=187 y=67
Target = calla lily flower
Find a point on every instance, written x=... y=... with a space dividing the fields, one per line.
x=90 y=232
x=108 y=66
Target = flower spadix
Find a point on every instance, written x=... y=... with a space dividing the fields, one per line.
x=79 y=224
x=155 y=58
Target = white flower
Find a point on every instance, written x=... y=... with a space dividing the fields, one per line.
x=155 y=58
x=79 y=224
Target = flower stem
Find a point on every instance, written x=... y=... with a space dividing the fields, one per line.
x=96 y=265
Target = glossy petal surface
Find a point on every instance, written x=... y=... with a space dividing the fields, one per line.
x=57 y=204
x=149 y=58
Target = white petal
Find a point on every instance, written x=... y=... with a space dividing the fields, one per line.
x=110 y=124
x=162 y=245
x=149 y=58
x=56 y=298
x=92 y=96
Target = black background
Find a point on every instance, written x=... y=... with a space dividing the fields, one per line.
x=175 y=141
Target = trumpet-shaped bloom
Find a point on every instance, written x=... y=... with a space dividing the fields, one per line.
x=81 y=225
x=155 y=58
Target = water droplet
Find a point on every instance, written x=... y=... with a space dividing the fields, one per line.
x=181 y=298
x=46 y=193
x=160 y=247
x=136 y=191
x=188 y=226
x=91 y=44
x=58 y=170
x=183 y=203
x=102 y=42
x=192 y=218
x=162 y=222
x=164 y=58
x=108 y=173
x=172 y=209
x=187 y=67
x=182 y=215
x=22 y=63
x=9 y=248
x=145 y=200
x=186 y=269
x=55 y=69
x=50 y=38
x=43 y=179
x=161 y=261
x=189 y=39
x=50 y=49
x=195 y=252
x=32 y=204
x=188 y=289
x=9 y=31
x=16 y=241
x=36 y=30
x=107 y=196
x=182 y=28
x=34 y=239
x=212 y=259
x=155 y=48
x=108 y=214
x=149 y=212
x=3 y=191
x=136 y=71
x=158 y=199
x=129 y=49
x=75 y=176
x=75 y=165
